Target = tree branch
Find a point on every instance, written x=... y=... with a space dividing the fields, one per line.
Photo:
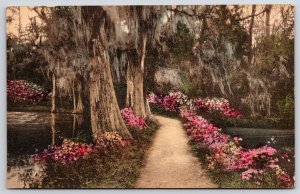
x=252 y=15
x=182 y=12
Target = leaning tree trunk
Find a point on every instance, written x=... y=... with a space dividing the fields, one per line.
x=135 y=82
x=105 y=112
x=53 y=94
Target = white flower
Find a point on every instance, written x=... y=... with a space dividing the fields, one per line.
x=272 y=138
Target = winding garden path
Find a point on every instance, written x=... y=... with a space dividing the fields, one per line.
x=170 y=163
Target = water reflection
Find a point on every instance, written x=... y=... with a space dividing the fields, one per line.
x=28 y=131
x=254 y=137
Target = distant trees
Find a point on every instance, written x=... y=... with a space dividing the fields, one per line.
x=232 y=60
x=232 y=51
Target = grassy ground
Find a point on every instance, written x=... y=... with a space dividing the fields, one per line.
x=117 y=168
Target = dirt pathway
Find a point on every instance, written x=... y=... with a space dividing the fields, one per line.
x=170 y=163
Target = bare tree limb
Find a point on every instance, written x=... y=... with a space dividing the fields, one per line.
x=252 y=15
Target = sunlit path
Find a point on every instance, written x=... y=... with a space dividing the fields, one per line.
x=170 y=163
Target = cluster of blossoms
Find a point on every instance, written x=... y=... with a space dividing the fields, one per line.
x=110 y=140
x=21 y=90
x=171 y=102
x=69 y=151
x=132 y=120
x=225 y=150
x=217 y=104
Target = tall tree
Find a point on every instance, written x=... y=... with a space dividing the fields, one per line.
x=251 y=31
x=77 y=53
x=105 y=112
x=141 y=21
x=268 y=9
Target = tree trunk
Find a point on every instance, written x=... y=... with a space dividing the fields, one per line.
x=77 y=105
x=268 y=15
x=135 y=87
x=135 y=81
x=251 y=32
x=53 y=94
x=105 y=112
x=129 y=83
x=53 y=128
x=74 y=96
x=104 y=109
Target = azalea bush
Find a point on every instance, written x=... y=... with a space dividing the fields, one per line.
x=109 y=140
x=217 y=104
x=113 y=163
x=225 y=152
x=171 y=102
x=21 y=90
x=132 y=120
x=69 y=151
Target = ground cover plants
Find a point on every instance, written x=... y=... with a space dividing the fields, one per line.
x=258 y=167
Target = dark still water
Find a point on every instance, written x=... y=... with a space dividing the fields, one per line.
x=254 y=137
x=28 y=131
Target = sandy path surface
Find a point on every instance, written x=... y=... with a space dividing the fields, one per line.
x=170 y=163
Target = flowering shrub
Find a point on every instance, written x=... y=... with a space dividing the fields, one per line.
x=171 y=102
x=217 y=104
x=176 y=100
x=109 y=140
x=21 y=90
x=71 y=151
x=132 y=120
x=67 y=152
x=225 y=150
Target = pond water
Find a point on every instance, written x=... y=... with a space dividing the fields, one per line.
x=28 y=131
x=253 y=137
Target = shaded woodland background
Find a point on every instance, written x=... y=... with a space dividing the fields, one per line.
x=244 y=53
x=78 y=78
